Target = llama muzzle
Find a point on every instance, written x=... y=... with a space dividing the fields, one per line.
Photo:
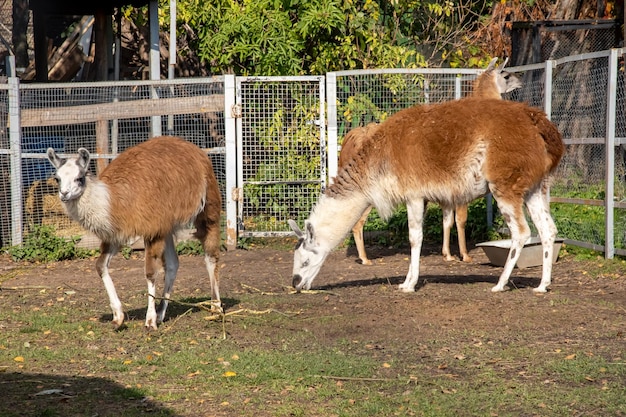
x=297 y=282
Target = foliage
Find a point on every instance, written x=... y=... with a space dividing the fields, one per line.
x=396 y=229
x=189 y=247
x=290 y=37
x=43 y=245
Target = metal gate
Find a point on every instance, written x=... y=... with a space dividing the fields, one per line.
x=281 y=151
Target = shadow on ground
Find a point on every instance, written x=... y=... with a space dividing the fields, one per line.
x=25 y=394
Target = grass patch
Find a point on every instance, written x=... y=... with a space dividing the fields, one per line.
x=296 y=374
x=310 y=354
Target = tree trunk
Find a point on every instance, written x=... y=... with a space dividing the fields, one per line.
x=566 y=9
x=21 y=15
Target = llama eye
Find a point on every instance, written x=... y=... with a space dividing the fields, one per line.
x=305 y=264
x=80 y=181
x=506 y=77
x=57 y=180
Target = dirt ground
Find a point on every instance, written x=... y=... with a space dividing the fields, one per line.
x=583 y=311
x=448 y=293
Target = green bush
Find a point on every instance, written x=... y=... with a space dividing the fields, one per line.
x=43 y=245
x=395 y=231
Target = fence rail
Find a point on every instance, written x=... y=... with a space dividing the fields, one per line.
x=274 y=141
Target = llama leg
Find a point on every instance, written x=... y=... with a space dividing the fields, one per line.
x=357 y=232
x=513 y=214
x=461 y=220
x=153 y=253
x=208 y=232
x=107 y=250
x=170 y=265
x=448 y=221
x=539 y=210
x=415 y=214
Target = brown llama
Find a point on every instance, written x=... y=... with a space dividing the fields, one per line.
x=449 y=153
x=150 y=190
x=492 y=83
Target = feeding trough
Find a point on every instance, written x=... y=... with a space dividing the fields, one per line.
x=498 y=251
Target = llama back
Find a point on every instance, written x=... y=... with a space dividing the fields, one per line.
x=415 y=154
x=148 y=175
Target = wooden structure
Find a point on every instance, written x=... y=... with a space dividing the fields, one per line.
x=102 y=10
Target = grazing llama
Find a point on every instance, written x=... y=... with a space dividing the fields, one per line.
x=492 y=83
x=150 y=190
x=451 y=153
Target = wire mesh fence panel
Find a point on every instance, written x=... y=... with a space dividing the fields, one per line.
x=282 y=151
x=620 y=163
x=5 y=170
x=533 y=87
x=561 y=43
x=106 y=119
x=540 y=40
x=281 y=137
x=372 y=96
x=579 y=105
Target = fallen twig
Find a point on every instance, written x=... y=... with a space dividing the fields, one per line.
x=210 y=306
x=289 y=290
x=254 y=289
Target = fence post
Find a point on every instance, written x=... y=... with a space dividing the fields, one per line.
x=547 y=95
x=230 y=133
x=154 y=61
x=609 y=204
x=331 y=129
x=15 y=137
x=457 y=86
x=321 y=124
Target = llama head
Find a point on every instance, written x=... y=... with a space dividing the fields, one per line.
x=308 y=256
x=504 y=80
x=70 y=173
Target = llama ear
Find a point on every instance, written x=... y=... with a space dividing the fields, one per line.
x=492 y=64
x=54 y=158
x=501 y=67
x=83 y=158
x=295 y=228
x=310 y=235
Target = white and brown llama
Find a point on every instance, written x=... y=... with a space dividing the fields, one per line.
x=150 y=190
x=492 y=83
x=449 y=153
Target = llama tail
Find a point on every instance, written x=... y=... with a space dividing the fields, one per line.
x=551 y=137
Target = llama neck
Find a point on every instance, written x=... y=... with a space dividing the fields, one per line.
x=486 y=86
x=92 y=209
x=333 y=218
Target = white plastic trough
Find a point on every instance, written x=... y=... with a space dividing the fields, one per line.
x=498 y=251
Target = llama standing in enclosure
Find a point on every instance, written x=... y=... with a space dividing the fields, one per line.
x=450 y=153
x=150 y=190
x=492 y=83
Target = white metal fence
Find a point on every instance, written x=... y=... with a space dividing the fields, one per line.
x=274 y=140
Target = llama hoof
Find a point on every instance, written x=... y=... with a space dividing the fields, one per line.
x=217 y=308
x=150 y=326
x=468 y=259
x=366 y=262
x=497 y=288
x=118 y=327
x=406 y=288
x=449 y=258
x=118 y=322
x=540 y=290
